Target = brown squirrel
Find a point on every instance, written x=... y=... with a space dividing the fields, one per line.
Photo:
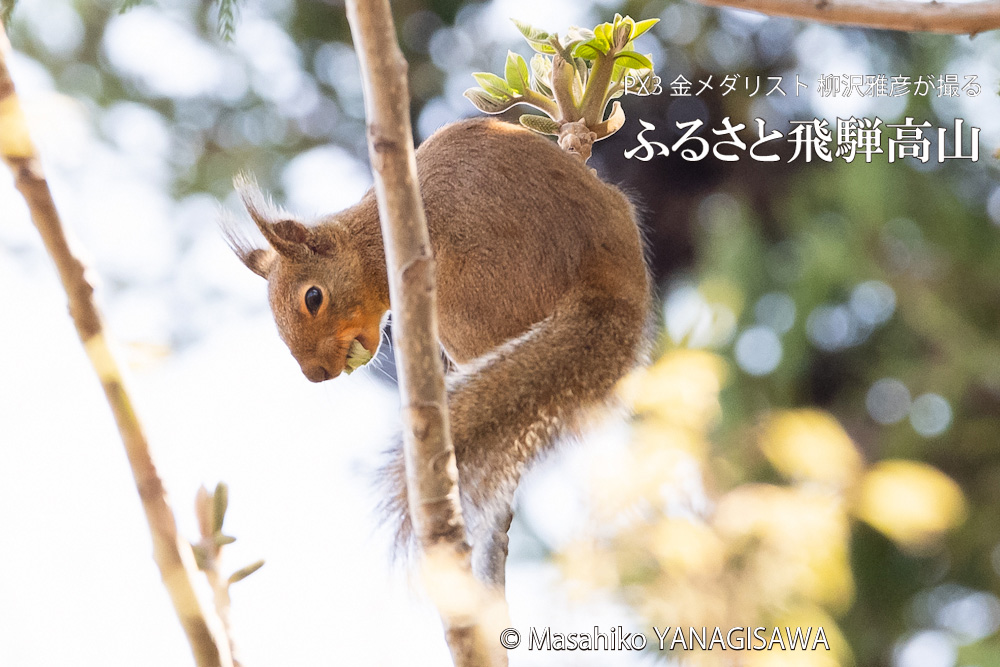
x=543 y=297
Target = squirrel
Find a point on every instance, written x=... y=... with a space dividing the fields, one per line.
x=543 y=303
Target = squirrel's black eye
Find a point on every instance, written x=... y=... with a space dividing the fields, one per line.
x=314 y=299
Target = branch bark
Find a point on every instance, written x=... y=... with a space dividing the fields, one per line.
x=431 y=471
x=939 y=17
x=172 y=554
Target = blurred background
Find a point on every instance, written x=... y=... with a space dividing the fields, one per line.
x=816 y=442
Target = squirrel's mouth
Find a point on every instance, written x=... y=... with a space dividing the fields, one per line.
x=357 y=356
x=344 y=357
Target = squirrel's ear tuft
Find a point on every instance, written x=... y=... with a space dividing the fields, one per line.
x=256 y=259
x=286 y=235
x=282 y=233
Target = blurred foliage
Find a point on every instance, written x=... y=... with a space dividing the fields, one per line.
x=759 y=553
x=818 y=440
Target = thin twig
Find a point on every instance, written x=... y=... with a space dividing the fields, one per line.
x=172 y=554
x=969 y=18
x=431 y=471
x=210 y=509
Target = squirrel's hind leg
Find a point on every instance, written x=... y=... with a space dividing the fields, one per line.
x=509 y=407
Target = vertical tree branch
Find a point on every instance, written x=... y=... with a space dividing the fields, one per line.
x=431 y=471
x=172 y=554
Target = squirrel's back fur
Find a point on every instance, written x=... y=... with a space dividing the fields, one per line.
x=515 y=222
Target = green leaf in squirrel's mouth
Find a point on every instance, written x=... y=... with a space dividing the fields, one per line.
x=357 y=356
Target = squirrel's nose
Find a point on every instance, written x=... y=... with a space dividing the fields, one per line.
x=315 y=373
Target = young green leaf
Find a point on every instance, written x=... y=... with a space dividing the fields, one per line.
x=220 y=503
x=243 y=573
x=589 y=50
x=605 y=33
x=541 y=68
x=633 y=60
x=541 y=88
x=357 y=356
x=493 y=85
x=537 y=39
x=488 y=103
x=540 y=124
x=623 y=33
x=577 y=35
x=643 y=26
x=516 y=71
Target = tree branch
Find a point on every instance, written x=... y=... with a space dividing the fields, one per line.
x=172 y=554
x=940 y=17
x=431 y=471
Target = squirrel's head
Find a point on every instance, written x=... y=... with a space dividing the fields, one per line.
x=315 y=286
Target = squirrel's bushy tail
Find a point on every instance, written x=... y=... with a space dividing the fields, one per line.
x=508 y=407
